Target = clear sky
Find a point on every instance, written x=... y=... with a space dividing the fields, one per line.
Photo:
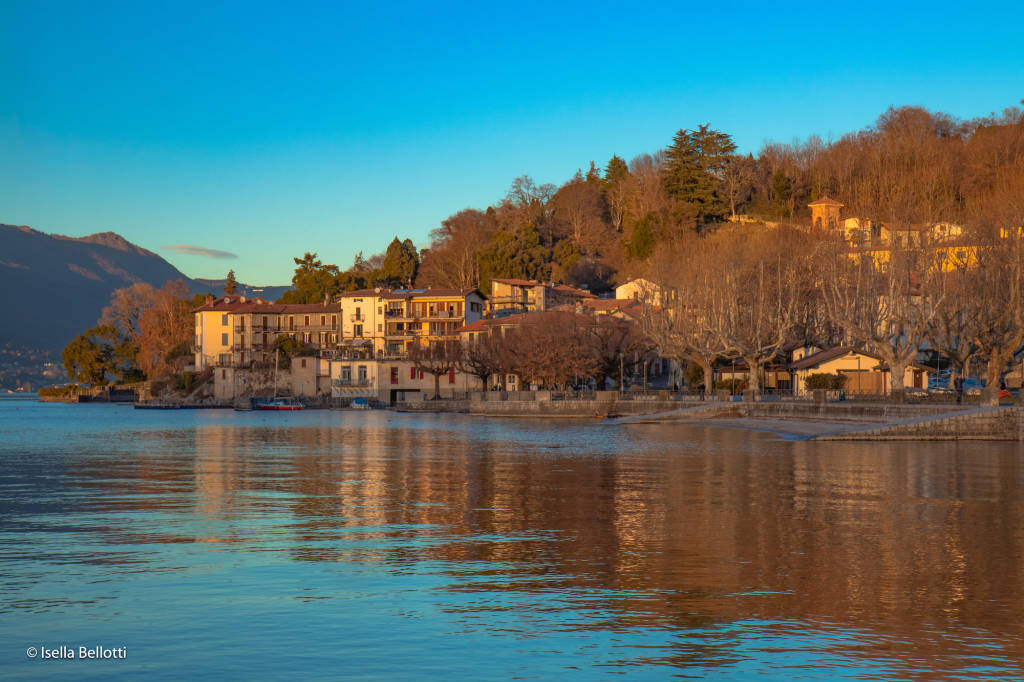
x=264 y=130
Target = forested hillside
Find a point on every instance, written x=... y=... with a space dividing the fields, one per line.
x=604 y=224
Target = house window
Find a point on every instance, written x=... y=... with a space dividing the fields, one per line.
x=305 y=321
x=394 y=375
x=291 y=322
x=334 y=321
x=451 y=376
x=346 y=374
x=474 y=307
x=223 y=374
x=380 y=328
x=357 y=330
x=362 y=374
x=359 y=315
x=303 y=363
x=223 y=339
x=380 y=310
x=412 y=372
x=264 y=321
x=323 y=320
x=224 y=319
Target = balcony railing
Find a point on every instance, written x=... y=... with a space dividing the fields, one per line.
x=351 y=383
x=443 y=315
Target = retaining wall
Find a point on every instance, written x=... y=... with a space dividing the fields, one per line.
x=992 y=423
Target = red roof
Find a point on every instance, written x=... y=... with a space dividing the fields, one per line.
x=826 y=201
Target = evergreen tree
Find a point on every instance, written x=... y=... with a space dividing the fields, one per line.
x=695 y=168
x=231 y=284
x=90 y=357
x=514 y=254
x=641 y=243
x=313 y=281
x=782 y=188
x=401 y=262
x=616 y=171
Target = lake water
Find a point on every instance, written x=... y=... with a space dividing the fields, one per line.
x=371 y=545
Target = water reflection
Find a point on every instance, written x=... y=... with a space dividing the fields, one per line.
x=691 y=547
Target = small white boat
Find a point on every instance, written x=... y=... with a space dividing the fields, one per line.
x=277 y=404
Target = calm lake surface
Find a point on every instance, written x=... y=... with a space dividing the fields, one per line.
x=223 y=545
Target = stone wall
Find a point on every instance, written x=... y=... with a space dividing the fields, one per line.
x=992 y=423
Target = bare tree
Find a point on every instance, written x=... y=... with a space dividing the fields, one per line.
x=438 y=358
x=952 y=331
x=884 y=303
x=550 y=349
x=999 y=287
x=678 y=316
x=126 y=308
x=755 y=297
x=483 y=356
x=611 y=343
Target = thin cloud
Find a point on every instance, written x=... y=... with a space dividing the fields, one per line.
x=193 y=250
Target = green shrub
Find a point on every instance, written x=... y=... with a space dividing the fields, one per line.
x=826 y=381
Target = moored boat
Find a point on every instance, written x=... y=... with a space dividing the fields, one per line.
x=277 y=404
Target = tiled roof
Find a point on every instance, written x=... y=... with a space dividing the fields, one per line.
x=826 y=355
x=826 y=201
x=408 y=294
x=241 y=304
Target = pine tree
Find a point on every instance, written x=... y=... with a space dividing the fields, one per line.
x=401 y=261
x=231 y=284
x=694 y=171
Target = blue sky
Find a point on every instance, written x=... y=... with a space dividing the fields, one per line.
x=269 y=129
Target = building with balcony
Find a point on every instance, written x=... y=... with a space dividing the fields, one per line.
x=514 y=296
x=235 y=331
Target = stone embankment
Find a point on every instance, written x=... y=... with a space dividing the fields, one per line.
x=857 y=421
x=603 y=404
x=847 y=420
x=987 y=423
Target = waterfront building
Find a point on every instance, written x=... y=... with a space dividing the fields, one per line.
x=865 y=373
x=235 y=331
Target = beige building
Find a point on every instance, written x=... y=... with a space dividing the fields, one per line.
x=864 y=372
x=640 y=290
x=513 y=296
x=233 y=331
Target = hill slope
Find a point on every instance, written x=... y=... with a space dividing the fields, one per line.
x=57 y=286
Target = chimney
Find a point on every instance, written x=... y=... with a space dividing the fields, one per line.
x=241 y=299
x=209 y=299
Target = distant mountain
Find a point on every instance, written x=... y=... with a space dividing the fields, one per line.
x=216 y=286
x=57 y=286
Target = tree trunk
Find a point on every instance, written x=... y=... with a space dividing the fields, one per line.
x=437 y=385
x=709 y=384
x=753 y=372
x=897 y=369
x=993 y=369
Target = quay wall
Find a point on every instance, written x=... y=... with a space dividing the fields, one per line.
x=992 y=423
